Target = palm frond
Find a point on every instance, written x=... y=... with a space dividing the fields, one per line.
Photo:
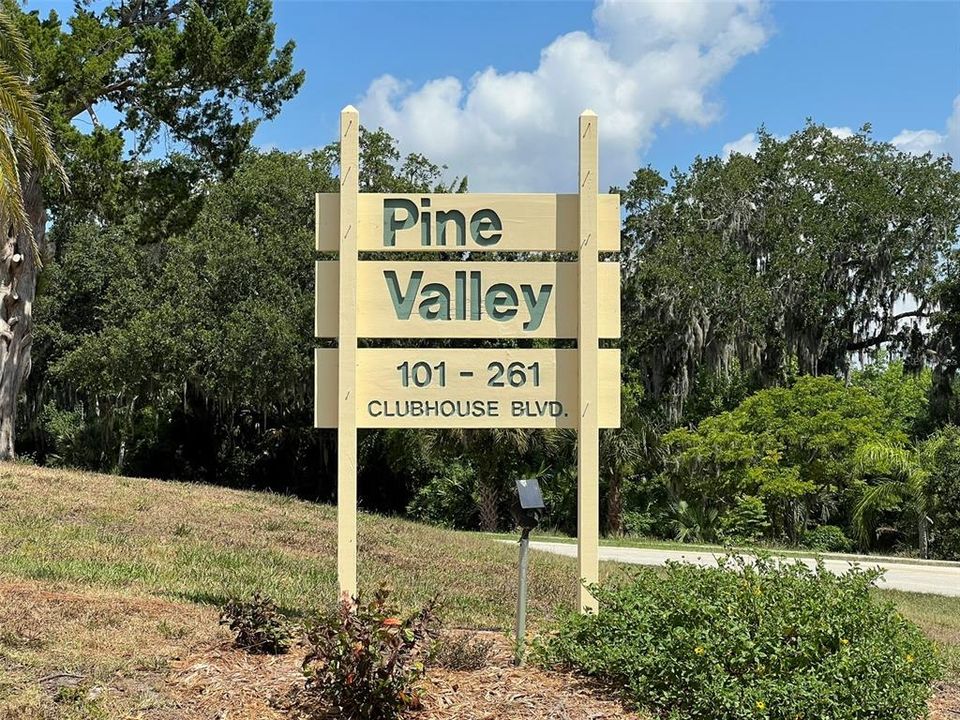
x=12 y=211
x=882 y=459
x=26 y=145
x=26 y=123
x=873 y=500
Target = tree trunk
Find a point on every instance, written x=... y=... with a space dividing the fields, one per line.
x=488 y=503
x=18 y=283
x=615 y=505
x=924 y=536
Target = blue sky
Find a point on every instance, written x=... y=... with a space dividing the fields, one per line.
x=893 y=64
x=493 y=88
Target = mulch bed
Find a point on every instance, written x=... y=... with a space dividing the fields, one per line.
x=946 y=703
x=229 y=684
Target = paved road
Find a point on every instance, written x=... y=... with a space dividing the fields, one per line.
x=915 y=577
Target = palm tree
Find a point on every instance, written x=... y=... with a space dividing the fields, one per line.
x=492 y=451
x=897 y=478
x=694 y=523
x=623 y=451
x=25 y=145
x=26 y=155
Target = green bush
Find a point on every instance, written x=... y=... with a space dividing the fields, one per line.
x=364 y=661
x=638 y=524
x=447 y=498
x=257 y=625
x=746 y=521
x=827 y=538
x=766 y=640
x=944 y=485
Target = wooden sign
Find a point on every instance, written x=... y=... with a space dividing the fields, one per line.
x=461 y=297
x=436 y=388
x=467 y=299
x=467 y=222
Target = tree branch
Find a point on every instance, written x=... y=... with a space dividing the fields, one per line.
x=884 y=336
x=131 y=20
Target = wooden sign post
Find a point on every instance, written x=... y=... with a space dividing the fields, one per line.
x=467 y=388
x=588 y=349
x=347 y=354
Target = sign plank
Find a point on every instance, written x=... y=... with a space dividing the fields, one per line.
x=477 y=222
x=475 y=388
x=467 y=299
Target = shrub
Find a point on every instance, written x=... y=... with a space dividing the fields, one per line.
x=944 y=485
x=766 y=640
x=638 y=524
x=364 y=661
x=827 y=538
x=257 y=625
x=447 y=498
x=463 y=652
x=746 y=521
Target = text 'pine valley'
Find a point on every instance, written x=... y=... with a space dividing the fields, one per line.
x=469 y=298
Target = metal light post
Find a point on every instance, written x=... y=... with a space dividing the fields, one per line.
x=527 y=512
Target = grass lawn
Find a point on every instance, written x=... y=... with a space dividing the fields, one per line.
x=111 y=578
x=205 y=544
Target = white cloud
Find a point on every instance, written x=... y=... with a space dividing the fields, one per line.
x=919 y=142
x=750 y=143
x=644 y=65
x=842 y=132
x=747 y=145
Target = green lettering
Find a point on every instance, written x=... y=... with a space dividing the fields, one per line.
x=459 y=223
x=484 y=221
x=536 y=306
x=390 y=222
x=403 y=304
x=436 y=306
x=501 y=302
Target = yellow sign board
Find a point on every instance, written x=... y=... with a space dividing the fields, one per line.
x=444 y=299
x=475 y=222
x=461 y=297
x=436 y=388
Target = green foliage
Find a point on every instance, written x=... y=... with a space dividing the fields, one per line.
x=800 y=254
x=25 y=140
x=214 y=330
x=202 y=73
x=364 y=661
x=746 y=521
x=447 y=498
x=787 y=446
x=944 y=483
x=892 y=479
x=744 y=640
x=697 y=522
x=639 y=524
x=944 y=401
x=827 y=538
x=257 y=625
x=905 y=395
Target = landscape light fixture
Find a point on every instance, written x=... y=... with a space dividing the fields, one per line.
x=526 y=511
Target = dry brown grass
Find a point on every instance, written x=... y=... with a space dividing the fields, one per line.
x=68 y=655
x=92 y=653
x=209 y=544
x=109 y=587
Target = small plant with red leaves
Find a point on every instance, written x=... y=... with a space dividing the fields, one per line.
x=365 y=659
